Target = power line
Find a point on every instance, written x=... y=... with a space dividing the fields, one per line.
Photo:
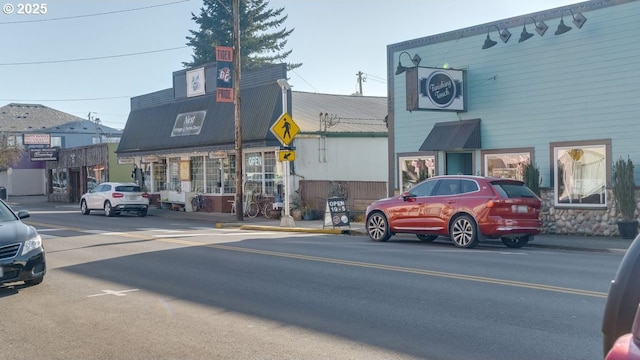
x=93 y=58
x=90 y=15
x=375 y=77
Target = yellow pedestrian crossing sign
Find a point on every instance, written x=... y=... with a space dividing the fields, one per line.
x=286 y=155
x=285 y=129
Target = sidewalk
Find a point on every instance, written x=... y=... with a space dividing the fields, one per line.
x=223 y=220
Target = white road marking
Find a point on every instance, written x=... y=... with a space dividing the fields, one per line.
x=113 y=292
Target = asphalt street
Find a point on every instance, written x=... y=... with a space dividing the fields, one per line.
x=260 y=223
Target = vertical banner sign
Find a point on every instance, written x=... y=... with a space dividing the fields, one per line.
x=224 y=81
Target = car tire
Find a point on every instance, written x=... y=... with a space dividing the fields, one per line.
x=84 y=208
x=515 y=243
x=108 y=210
x=463 y=231
x=142 y=213
x=378 y=227
x=33 y=282
x=426 y=238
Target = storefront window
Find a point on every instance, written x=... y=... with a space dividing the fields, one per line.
x=271 y=178
x=215 y=167
x=253 y=171
x=581 y=175
x=506 y=165
x=59 y=181
x=95 y=175
x=197 y=173
x=174 y=171
x=230 y=174
x=414 y=169
x=160 y=175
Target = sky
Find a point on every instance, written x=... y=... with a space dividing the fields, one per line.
x=89 y=57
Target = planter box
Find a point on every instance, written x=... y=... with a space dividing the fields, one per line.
x=628 y=229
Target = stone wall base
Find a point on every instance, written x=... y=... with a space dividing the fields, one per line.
x=579 y=221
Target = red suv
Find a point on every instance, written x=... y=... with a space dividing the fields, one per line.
x=465 y=208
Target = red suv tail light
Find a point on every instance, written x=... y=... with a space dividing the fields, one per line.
x=116 y=195
x=145 y=195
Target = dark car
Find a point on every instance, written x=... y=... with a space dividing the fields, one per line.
x=465 y=208
x=623 y=298
x=21 y=253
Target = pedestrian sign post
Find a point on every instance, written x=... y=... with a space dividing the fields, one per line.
x=285 y=129
x=286 y=155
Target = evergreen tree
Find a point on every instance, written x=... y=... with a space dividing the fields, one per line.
x=259 y=44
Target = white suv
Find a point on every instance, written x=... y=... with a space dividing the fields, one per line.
x=115 y=198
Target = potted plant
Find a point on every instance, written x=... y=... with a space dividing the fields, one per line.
x=307 y=213
x=296 y=207
x=624 y=193
x=531 y=177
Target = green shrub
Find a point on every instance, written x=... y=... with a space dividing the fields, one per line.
x=624 y=188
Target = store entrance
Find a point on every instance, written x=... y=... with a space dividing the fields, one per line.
x=459 y=163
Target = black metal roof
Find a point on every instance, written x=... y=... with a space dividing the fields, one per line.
x=149 y=130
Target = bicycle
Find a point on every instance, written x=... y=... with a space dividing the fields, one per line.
x=250 y=207
x=199 y=203
x=266 y=204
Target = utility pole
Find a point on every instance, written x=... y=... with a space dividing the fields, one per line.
x=361 y=79
x=97 y=122
x=237 y=114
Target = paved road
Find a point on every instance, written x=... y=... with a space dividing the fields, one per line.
x=565 y=242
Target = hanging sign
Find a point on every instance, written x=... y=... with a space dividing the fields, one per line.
x=224 y=78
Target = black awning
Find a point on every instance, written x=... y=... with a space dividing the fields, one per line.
x=162 y=129
x=453 y=135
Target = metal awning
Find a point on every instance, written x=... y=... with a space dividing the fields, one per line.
x=453 y=135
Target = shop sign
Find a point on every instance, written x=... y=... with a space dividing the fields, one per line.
x=336 y=212
x=188 y=123
x=36 y=139
x=43 y=154
x=435 y=89
x=123 y=161
x=218 y=155
x=150 y=159
x=195 y=82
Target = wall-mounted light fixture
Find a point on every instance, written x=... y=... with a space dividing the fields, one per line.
x=504 y=35
x=578 y=20
x=415 y=60
x=541 y=28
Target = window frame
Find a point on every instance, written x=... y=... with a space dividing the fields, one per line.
x=518 y=152
x=429 y=158
x=554 y=149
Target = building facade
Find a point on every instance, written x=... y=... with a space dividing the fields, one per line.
x=42 y=133
x=556 y=88
x=185 y=144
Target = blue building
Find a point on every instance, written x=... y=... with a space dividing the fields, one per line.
x=556 y=88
